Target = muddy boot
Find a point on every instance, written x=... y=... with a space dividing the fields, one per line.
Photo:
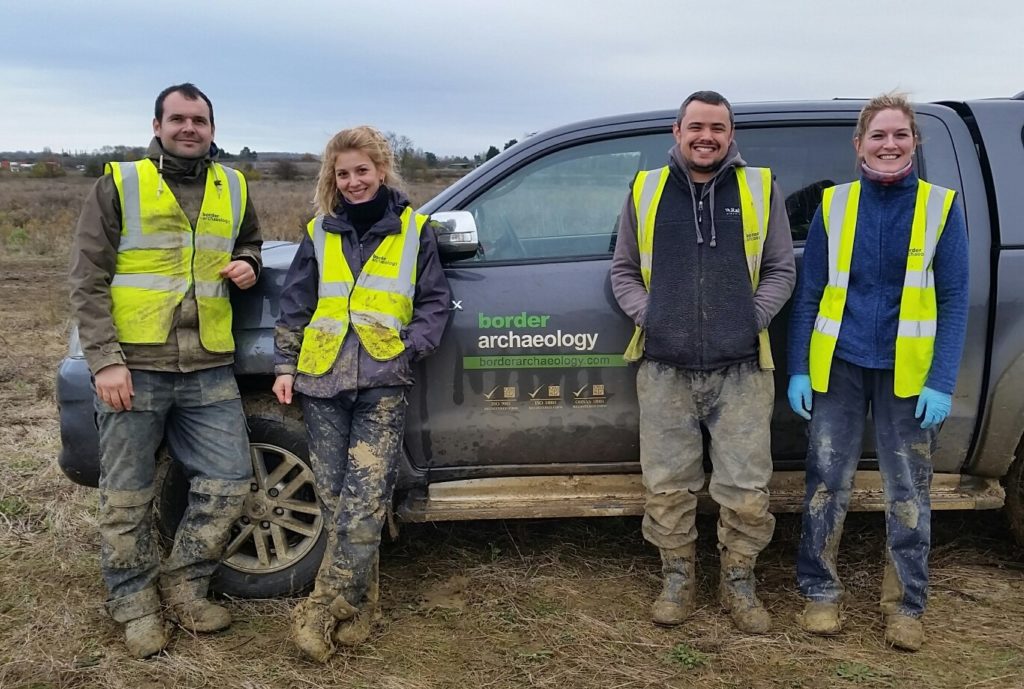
x=676 y=601
x=737 y=593
x=820 y=618
x=192 y=611
x=146 y=635
x=904 y=632
x=312 y=626
x=354 y=631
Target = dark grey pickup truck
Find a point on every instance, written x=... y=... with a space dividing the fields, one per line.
x=528 y=409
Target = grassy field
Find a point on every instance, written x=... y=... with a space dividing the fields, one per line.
x=560 y=603
x=37 y=216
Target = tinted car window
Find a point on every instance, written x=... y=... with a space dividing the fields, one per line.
x=565 y=204
x=805 y=160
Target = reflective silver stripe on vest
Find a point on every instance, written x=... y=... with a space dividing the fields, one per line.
x=207 y=289
x=932 y=222
x=756 y=188
x=340 y=288
x=383 y=284
x=836 y=215
x=235 y=189
x=210 y=242
x=331 y=326
x=334 y=289
x=161 y=283
x=647 y=192
x=319 y=239
x=376 y=318
x=826 y=326
x=410 y=252
x=919 y=278
x=916 y=329
x=132 y=211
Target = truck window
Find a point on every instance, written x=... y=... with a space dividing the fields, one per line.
x=805 y=160
x=566 y=204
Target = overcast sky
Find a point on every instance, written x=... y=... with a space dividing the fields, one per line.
x=457 y=76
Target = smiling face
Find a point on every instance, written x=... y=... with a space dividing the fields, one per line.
x=185 y=130
x=704 y=135
x=356 y=176
x=888 y=143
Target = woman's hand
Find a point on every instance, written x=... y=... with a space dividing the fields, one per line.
x=934 y=406
x=283 y=388
x=800 y=395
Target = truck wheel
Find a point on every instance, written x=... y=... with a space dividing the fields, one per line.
x=1014 y=508
x=275 y=548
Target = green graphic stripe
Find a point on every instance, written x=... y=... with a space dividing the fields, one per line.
x=480 y=363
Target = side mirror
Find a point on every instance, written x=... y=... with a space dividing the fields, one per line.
x=457 y=237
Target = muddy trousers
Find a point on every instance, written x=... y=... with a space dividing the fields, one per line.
x=735 y=405
x=199 y=415
x=355 y=442
x=904 y=460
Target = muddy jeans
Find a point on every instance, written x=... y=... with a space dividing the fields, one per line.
x=735 y=405
x=904 y=459
x=199 y=414
x=355 y=441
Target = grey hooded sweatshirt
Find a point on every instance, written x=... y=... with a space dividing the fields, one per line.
x=701 y=312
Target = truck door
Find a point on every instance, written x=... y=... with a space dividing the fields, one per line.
x=530 y=372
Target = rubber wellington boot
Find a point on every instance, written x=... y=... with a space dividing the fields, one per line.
x=312 y=627
x=738 y=595
x=904 y=632
x=820 y=618
x=676 y=601
x=146 y=635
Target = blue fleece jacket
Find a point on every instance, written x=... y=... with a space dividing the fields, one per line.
x=867 y=337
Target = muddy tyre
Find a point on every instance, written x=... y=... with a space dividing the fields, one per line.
x=1014 y=484
x=276 y=547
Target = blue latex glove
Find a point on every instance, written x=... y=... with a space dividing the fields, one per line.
x=934 y=405
x=800 y=395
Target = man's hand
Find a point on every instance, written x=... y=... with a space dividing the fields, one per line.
x=114 y=387
x=283 y=388
x=239 y=272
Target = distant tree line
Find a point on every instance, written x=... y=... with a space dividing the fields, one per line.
x=413 y=162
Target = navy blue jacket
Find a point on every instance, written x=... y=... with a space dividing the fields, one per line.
x=867 y=337
x=354 y=369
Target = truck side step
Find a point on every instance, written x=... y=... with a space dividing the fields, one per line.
x=612 y=495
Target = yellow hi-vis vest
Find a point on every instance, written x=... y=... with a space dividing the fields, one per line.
x=378 y=303
x=160 y=257
x=915 y=336
x=755 y=184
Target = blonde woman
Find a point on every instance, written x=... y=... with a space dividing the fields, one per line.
x=878 y=322
x=365 y=297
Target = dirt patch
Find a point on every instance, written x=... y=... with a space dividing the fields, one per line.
x=557 y=603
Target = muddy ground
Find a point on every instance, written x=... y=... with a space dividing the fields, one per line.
x=484 y=604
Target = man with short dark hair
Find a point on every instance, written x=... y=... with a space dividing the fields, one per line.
x=156 y=246
x=703 y=262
